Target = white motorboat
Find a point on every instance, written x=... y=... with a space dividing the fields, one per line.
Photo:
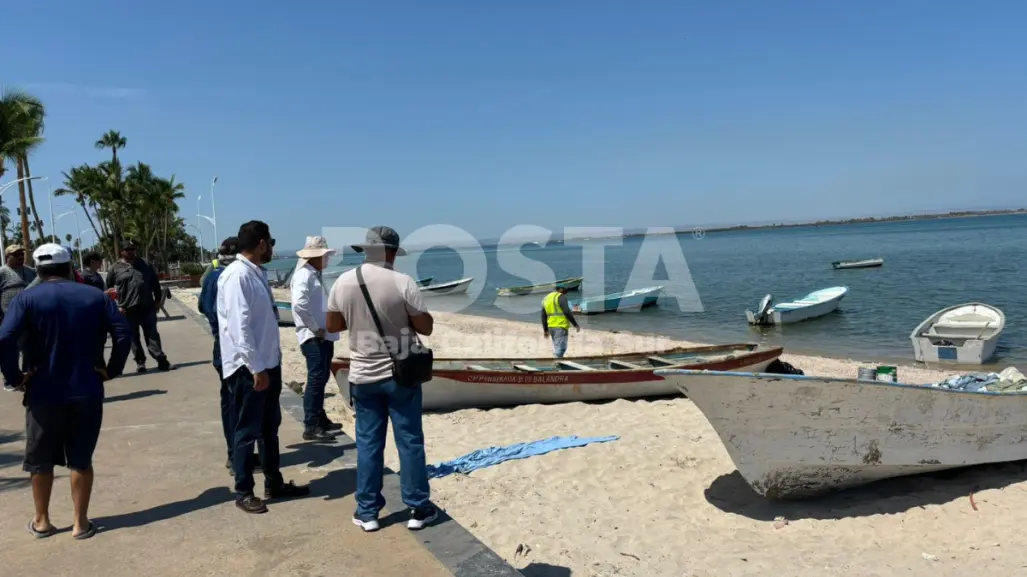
x=448 y=288
x=965 y=334
x=815 y=304
x=863 y=263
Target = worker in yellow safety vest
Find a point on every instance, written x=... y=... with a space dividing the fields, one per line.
x=557 y=319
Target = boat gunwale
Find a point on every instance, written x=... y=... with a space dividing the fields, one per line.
x=770 y=377
x=340 y=363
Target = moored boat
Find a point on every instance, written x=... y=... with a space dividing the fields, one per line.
x=965 y=334
x=617 y=302
x=571 y=284
x=815 y=304
x=448 y=288
x=798 y=436
x=482 y=383
x=862 y=263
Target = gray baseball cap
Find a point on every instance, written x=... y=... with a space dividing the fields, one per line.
x=383 y=237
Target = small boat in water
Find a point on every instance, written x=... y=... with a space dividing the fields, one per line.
x=626 y=301
x=864 y=263
x=815 y=304
x=482 y=383
x=572 y=284
x=799 y=436
x=448 y=288
x=284 y=313
x=965 y=334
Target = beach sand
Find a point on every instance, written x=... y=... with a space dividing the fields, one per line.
x=665 y=498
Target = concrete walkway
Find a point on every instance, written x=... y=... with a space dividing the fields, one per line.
x=163 y=496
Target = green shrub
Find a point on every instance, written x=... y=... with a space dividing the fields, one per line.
x=192 y=269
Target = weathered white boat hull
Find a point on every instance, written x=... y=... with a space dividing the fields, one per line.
x=486 y=389
x=285 y=316
x=797 y=436
x=940 y=339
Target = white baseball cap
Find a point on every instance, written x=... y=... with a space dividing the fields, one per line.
x=51 y=253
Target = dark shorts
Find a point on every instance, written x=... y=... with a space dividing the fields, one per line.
x=63 y=435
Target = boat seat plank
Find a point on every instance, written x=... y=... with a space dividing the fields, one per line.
x=479 y=368
x=573 y=365
x=665 y=361
x=528 y=368
x=964 y=325
x=624 y=365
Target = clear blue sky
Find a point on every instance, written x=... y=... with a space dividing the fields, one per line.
x=486 y=115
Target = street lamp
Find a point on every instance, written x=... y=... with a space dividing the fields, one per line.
x=88 y=231
x=198 y=223
x=213 y=211
x=3 y=189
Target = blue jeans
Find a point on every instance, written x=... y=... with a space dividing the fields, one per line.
x=228 y=418
x=319 y=367
x=258 y=414
x=375 y=404
x=559 y=337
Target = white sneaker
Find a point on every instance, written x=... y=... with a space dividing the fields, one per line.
x=421 y=518
x=368 y=526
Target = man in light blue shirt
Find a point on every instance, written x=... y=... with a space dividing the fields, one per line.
x=317 y=344
x=251 y=362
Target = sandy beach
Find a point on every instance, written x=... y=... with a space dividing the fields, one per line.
x=665 y=499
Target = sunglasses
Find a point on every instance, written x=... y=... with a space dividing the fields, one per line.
x=19 y=253
x=272 y=242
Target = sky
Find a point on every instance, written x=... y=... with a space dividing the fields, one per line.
x=489 y=115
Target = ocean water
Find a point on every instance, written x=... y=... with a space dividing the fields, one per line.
x=929 y=265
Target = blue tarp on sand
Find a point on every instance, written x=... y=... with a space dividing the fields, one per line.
x=494 y=455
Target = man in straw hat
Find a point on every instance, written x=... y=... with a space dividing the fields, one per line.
x=376 y=395
x=309 y=313
x=15 y=277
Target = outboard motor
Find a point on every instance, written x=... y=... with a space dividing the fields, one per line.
x=763 y=310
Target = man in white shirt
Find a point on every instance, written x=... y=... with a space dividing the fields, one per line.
x=316 y=343
x=251 y=362
x=376 y=395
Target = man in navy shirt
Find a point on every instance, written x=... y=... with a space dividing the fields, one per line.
x=64 y=324
x=208 y=305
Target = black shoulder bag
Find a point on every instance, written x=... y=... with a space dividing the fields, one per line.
x=411 y=369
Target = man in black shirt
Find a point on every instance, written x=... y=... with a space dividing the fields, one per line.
x=90 y=274
x=139 y=297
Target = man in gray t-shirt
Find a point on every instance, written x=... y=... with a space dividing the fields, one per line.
x=374 y=392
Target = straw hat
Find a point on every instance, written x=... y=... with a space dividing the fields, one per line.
x=13 y=248
x=315 y=247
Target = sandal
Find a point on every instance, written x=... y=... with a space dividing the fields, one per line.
x=88 y=532
x=40 y=534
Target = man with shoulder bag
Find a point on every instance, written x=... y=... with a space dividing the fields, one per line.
x=383 y=311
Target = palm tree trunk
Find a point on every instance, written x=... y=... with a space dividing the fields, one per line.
x=32 y=202
x=24 y=209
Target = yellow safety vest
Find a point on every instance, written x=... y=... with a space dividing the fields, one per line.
x=555 y=318
x=214 y=263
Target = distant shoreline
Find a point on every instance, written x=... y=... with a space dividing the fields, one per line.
x=738 y=227
x=864 y=220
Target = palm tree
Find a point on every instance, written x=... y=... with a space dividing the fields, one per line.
x=34 y=124
x=114 y=141
x=20 y=122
